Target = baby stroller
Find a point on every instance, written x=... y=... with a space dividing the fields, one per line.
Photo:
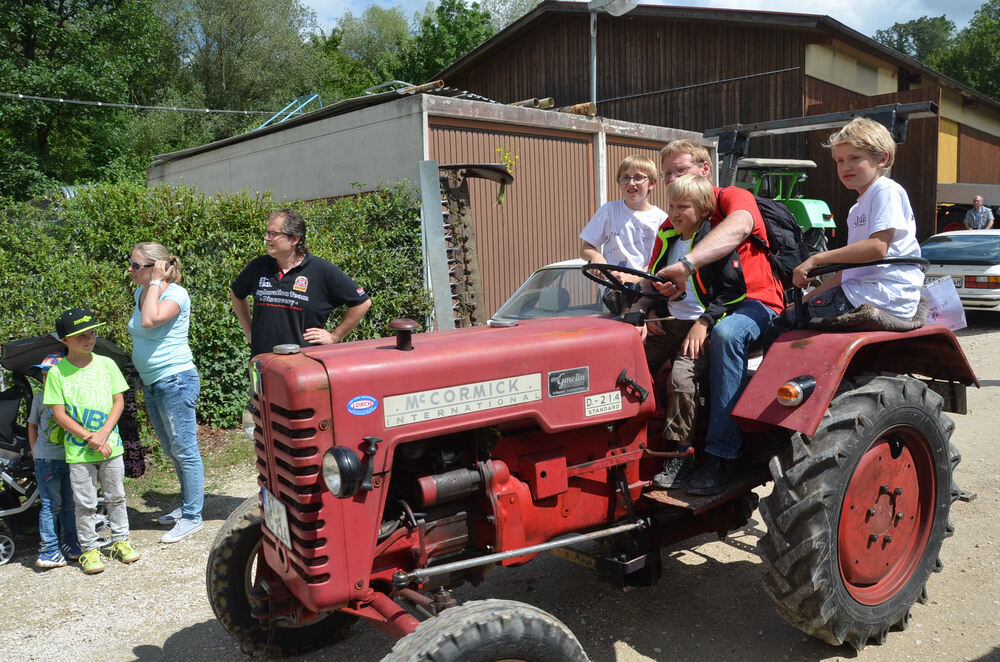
x=18 y=484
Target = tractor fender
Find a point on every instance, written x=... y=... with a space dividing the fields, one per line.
x=930 y=351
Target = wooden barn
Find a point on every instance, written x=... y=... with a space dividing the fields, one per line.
x=698 y=69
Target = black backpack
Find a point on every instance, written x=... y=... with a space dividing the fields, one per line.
x=786 y=248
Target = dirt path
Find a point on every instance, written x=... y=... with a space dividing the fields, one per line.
x=708 y=606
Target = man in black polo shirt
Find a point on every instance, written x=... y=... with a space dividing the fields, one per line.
x=293 y=291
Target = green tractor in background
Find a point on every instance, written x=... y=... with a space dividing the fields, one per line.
x=776 y=178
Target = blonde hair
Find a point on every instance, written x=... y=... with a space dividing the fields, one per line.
x=697 y=189
x=643 y=164
x=868 y=136
x=699 y=154
x=154 y=251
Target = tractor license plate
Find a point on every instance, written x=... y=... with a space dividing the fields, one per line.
x=958 y=280
x=275 y=516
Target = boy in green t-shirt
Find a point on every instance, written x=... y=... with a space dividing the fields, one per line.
x=85 y=393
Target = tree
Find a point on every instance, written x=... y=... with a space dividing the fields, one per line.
x=243 y=54
x=376 y=39
x=921 y=39
x=101 y=50
x=975 y=57
x=444 y=34
x=505 y=12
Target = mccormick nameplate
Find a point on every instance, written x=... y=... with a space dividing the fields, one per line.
x=461 y=399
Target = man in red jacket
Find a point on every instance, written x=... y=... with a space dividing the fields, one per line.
x=736 y=218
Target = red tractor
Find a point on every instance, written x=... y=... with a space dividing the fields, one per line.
x=393 y=470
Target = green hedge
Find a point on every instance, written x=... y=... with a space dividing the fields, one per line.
x=74 y=253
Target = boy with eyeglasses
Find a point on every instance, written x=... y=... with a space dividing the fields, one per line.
x=625 y=229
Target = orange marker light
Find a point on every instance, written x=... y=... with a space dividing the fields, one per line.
x=795 y=391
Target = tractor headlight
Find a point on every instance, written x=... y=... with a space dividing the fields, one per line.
x=342 y=471
x=795 y=391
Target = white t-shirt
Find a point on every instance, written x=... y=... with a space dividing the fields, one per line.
x=893 y=288
x=688 y=308
x=627 y=235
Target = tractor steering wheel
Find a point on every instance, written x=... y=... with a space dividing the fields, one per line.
x=603 y=274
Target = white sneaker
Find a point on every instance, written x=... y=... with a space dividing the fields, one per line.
x=182 y=529
x=171 y=517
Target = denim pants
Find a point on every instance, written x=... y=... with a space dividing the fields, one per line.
x=55 y=518
x=727 y=372
x=84 y=477
x=170 y=403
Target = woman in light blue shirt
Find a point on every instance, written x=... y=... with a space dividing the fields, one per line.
x=159 y=328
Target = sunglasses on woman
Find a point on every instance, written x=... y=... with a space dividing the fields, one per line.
x=135 y=266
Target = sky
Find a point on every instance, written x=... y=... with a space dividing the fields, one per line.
x=865 y=16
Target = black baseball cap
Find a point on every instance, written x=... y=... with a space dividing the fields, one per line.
x=74 y=321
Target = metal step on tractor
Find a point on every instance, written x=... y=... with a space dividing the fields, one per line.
x=394 y=470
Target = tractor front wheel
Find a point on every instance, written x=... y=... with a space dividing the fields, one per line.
x=489 y=630
x=231 y=574
x=858 y=512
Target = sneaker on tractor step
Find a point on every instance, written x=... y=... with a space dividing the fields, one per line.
x=676 y=472
x=71 y=552
x=92 y=562
x=182 y=530
x=123 y=551
x=50 y=560
x=170 y=518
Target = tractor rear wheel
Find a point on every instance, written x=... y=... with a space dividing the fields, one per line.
x=231 y=574
x=858 y=511
x=487 y=631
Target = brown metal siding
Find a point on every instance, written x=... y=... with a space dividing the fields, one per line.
x=550 y=200
x=977 y=162
x=617 y=150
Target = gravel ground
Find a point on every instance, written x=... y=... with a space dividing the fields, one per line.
x=708 y=606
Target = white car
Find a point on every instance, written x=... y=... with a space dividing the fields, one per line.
x=972 y=259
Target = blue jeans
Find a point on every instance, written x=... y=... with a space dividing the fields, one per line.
x=727 y=372
x=170 y=403
x=56 y=519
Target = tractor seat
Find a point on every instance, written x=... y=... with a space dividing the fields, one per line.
x=869 y=318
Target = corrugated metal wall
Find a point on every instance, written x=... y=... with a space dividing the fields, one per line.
x=550 y=200
x=617 y=149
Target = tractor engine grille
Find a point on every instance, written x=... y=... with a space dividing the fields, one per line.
x=289 y=463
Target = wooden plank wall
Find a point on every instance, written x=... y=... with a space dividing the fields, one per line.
x=977 y=162
x=693 y=75
x=916 y=159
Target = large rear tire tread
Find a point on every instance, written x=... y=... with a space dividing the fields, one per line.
x=235 y=549
x=801 y=548
x=487 y=630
